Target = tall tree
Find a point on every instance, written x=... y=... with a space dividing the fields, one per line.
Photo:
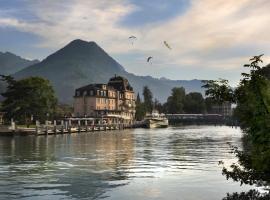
x=194 y=103
x=28 y=97
x=175 y=102
x=209 y=103
x=158 y=106
x=140 y=109
x=138 y=99
x=148 y=99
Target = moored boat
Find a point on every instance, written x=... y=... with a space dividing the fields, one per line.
x=156 y=120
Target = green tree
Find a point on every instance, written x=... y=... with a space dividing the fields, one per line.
x=209 y=103
x=140 y=109
x=148 y=99
x=252 y=97
x=219 y=91
x=27 y=98
x=194 y=103
x=63 y=110
x=158 y=106
x=175 y=102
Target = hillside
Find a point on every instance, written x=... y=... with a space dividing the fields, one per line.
x=80 y=63
x=11 y=63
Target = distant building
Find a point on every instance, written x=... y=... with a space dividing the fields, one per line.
x=114 y=101
x=224 y=109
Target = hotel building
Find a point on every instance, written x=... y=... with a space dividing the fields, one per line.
x=113 y=102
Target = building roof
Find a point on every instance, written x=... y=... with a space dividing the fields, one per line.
x=120 y=83
x=116 y=83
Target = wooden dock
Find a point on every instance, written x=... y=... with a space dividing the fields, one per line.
x=60 y=129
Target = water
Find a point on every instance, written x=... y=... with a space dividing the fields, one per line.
x=173 y=163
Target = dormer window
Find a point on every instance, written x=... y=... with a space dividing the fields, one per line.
x=77 y=93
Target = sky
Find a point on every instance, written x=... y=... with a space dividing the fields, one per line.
x=210 y=39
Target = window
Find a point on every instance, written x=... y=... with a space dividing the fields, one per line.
x=91 y=92
x=78 y=93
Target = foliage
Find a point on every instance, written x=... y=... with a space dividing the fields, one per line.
x=218 y=90
x=209 y=102
x=27 y=98
x=140 y=109
x=175 y=102
x=253 y=102
x=148 y=99
x=158 y=106
x=63 y=110
x=194 y=103
x=250 y=195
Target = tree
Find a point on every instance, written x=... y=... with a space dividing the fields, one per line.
x=209 y=103
x=158 y=106
x=148 y=99
x=140 y=109
x=218 y=90
x=175 y=102
x=194 y=103
x=27 y=98
x=252 y=97
x=63 y=110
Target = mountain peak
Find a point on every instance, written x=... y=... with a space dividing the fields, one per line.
x=78 y=49
x=11 y=63
x=82 y=42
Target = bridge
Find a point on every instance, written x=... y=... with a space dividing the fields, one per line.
x=198 y=119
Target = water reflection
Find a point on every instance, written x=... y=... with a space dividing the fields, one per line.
x=116 y=165
x=75 y=166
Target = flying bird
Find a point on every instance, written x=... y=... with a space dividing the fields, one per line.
x=149 y=59
x=167 y=45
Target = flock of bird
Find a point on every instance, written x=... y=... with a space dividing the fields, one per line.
x=133 y=38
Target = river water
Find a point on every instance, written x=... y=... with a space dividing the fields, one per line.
x=173 y=163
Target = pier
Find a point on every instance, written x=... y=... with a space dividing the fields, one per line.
x=68 y=126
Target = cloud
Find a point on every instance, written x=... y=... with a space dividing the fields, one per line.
x=61 y=21
x=210 y=34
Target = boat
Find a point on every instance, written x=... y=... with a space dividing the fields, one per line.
x=156 y=120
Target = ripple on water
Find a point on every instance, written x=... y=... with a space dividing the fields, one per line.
x=98 y=165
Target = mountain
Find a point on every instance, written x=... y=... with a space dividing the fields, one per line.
x=11 y=63
x=80 y=63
